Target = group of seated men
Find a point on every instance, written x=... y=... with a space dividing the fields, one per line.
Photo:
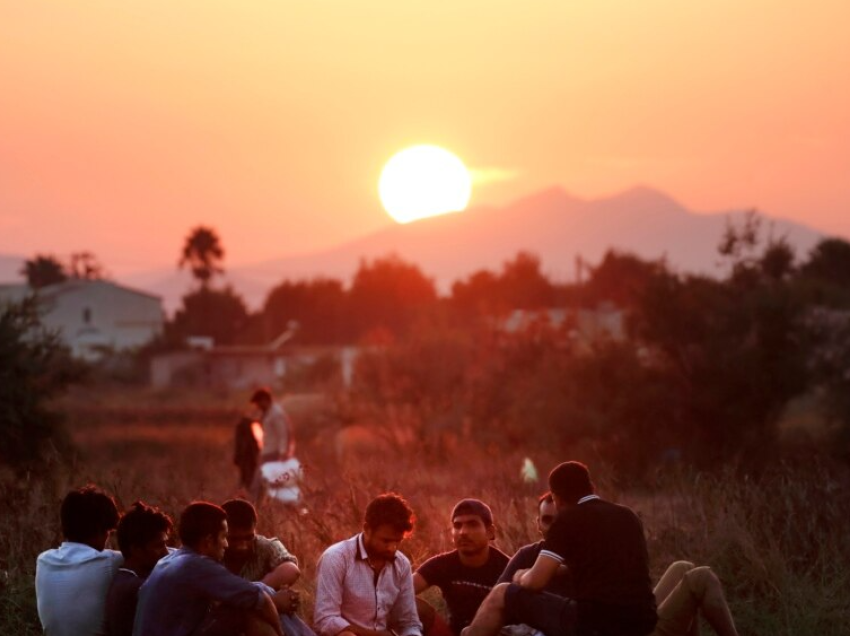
x=589 y=575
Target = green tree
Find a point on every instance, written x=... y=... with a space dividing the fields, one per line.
x=620 y=278
x=43 y=270
x=829 y=262
x=202 y=254
x=34 y=367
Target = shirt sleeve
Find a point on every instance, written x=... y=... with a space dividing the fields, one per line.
x=221 y=585
x=277 y=554
x=558 y=540
x=431 y=571
x=403 y=617
x=519 y=561
x=327 y=613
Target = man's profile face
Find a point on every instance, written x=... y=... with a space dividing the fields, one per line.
x=382 y=542
x=153 y=551
x=546 y=516
x=241 y=541
x=470 y=534
x=216 y=544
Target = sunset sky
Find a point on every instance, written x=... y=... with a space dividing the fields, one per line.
x=125 y=123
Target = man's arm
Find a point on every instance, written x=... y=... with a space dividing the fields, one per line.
x=403 y=617
x=267 y=612
x=284 y=574
x=540 y=574
x=327 y=613
x=419 y=584
x=519 y=561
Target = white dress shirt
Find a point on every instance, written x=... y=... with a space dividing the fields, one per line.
x=349 y=593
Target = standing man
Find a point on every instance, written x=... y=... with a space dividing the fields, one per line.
x=143 y=539
x=561 y=583
x=467 y=574
x=364 y=586
x=278 y=440
x=177 y=598
x=71 y=581
x=604 y=547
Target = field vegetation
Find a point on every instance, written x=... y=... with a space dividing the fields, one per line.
x=779 y=540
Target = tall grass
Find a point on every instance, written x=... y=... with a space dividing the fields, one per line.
x=780 y=541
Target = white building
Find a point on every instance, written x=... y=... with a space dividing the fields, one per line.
x=94 y=315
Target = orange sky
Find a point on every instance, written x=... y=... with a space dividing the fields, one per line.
x=123 y=124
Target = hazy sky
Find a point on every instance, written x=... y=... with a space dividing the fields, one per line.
x=125 y=123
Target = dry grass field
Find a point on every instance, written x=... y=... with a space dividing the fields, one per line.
x=779 y=541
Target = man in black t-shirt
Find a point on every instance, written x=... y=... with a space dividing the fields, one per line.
x=467 y=574
x=604 y=547
x=561 y=583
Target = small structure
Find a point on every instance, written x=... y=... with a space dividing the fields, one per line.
x=244 y=366
x=94 y=316
x=583 y=325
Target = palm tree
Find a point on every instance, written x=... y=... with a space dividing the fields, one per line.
x=203 y=254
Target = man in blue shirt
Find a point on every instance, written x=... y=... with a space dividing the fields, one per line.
x=177 y=598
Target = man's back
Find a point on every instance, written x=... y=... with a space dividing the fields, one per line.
x=71 y=583
x=604 y=547
x=175 y=598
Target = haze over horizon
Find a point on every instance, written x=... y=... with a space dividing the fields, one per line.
x=129 y=124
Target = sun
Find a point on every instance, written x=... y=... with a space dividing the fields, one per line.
x=423 y=181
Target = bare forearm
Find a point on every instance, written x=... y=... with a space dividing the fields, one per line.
x=283 y=575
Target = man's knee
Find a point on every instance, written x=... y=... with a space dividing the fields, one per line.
x=701 y=581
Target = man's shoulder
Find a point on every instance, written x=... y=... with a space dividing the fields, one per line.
x=342 y=548
x=444 y=558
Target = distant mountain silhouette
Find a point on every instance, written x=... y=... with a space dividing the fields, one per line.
x=551 y=224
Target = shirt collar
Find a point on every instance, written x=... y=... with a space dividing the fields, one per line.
x=361 y=554
x=586 y=499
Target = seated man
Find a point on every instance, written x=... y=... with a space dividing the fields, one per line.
x=71 y=581
x=561 y=583
x=467 y=574
x=364 y=586
x=257 y=558
x=178 y=596
x=604 y=546
x=143 y=539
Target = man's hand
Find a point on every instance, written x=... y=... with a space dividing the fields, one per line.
x=287 y=601
x=518 y=575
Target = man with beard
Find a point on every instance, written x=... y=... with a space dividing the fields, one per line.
x=466 y=574
x=364 y=586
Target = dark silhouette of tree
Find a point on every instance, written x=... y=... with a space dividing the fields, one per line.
x=620 y=278
x=320 y=307
x=203 y=254
x=34 y=368
x=86 y=266
x=520 y=285
x=219 y=314
x=829 y=262
x=43 y=270
x=390 y=293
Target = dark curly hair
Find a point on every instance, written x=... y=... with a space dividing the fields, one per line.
x=141 y=525
x=87 y=512
x=390 y=509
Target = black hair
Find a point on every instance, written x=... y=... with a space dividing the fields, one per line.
x=261 y=394
x=570 y=481
x=240 y=513
x=87 y=512
x=200 y=519
x=390 y=509
x=141 y=525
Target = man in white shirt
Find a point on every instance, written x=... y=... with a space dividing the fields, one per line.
x=364 y=586
x=278 y=441
x=71 y=581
